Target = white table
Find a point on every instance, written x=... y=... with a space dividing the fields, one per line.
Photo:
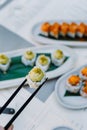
x=56 y=9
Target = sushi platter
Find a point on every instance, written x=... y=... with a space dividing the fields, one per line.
x=15 y=65
x=71 y=33
x=71 y=89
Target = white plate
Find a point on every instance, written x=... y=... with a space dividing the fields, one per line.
x=43 y=40
x=51 y=74
x=72 y=102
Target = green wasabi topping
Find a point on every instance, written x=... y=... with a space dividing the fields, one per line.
x=3 y=59
x=29 y=55
x=36 y=74
x=43 y=60
x=58 y=54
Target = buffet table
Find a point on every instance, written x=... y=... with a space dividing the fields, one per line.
x=19 y=23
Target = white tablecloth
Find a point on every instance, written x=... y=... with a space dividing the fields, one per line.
x=28 y=13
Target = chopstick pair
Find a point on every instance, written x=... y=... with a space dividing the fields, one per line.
x=23 y=106
x=12 y=96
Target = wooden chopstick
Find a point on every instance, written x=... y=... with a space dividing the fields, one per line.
x=12 y=96
x=23 y=106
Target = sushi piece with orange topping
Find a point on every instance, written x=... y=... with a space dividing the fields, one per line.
x=45 y=28
x=64 y=29
x=72 y=30
x=83 y=73
x=55 y=30
x=81 y=30
x=83 y=90
x=85 y=34
x=73 y=83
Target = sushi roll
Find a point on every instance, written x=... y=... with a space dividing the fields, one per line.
x=64 y=29
x=81 y=30
x=43 y=62
x=73 y=83
x=45 y=28
x=4 y=62
x=54 y=30
x=57 y=57
x=85 y=34
x=83 y=90
x=72 y=30
x=36 y=77
x=28 y=59
x=83 y=73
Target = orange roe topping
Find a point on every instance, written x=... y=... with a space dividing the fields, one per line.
x=84 y=71
x=73 y=27
x=74 y=80
x=81 y=28
x=56 y=25
x=45 y=27
x=64 y=28
x=86 y=29
x=84 y=89
x=85 y=83
x=55 y=28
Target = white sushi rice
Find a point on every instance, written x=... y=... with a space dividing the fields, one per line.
x=44 y=33
x=72 y=35
x=34 y=84
x=4 y=67
x=28 y=62
x=43 y=67
x=79 y=34
x=62 y=34
x=73 y=89
x=53 y=35
x=57 y=62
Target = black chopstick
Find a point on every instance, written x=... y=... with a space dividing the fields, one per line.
x=12 y=96
x=23 y=106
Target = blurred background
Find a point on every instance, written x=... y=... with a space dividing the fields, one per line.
x=19 y=15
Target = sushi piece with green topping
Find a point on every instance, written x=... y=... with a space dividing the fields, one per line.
x=57 y=57
x=36 y=77
x=43 y=62
x=28 y=59
x=4 y=62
